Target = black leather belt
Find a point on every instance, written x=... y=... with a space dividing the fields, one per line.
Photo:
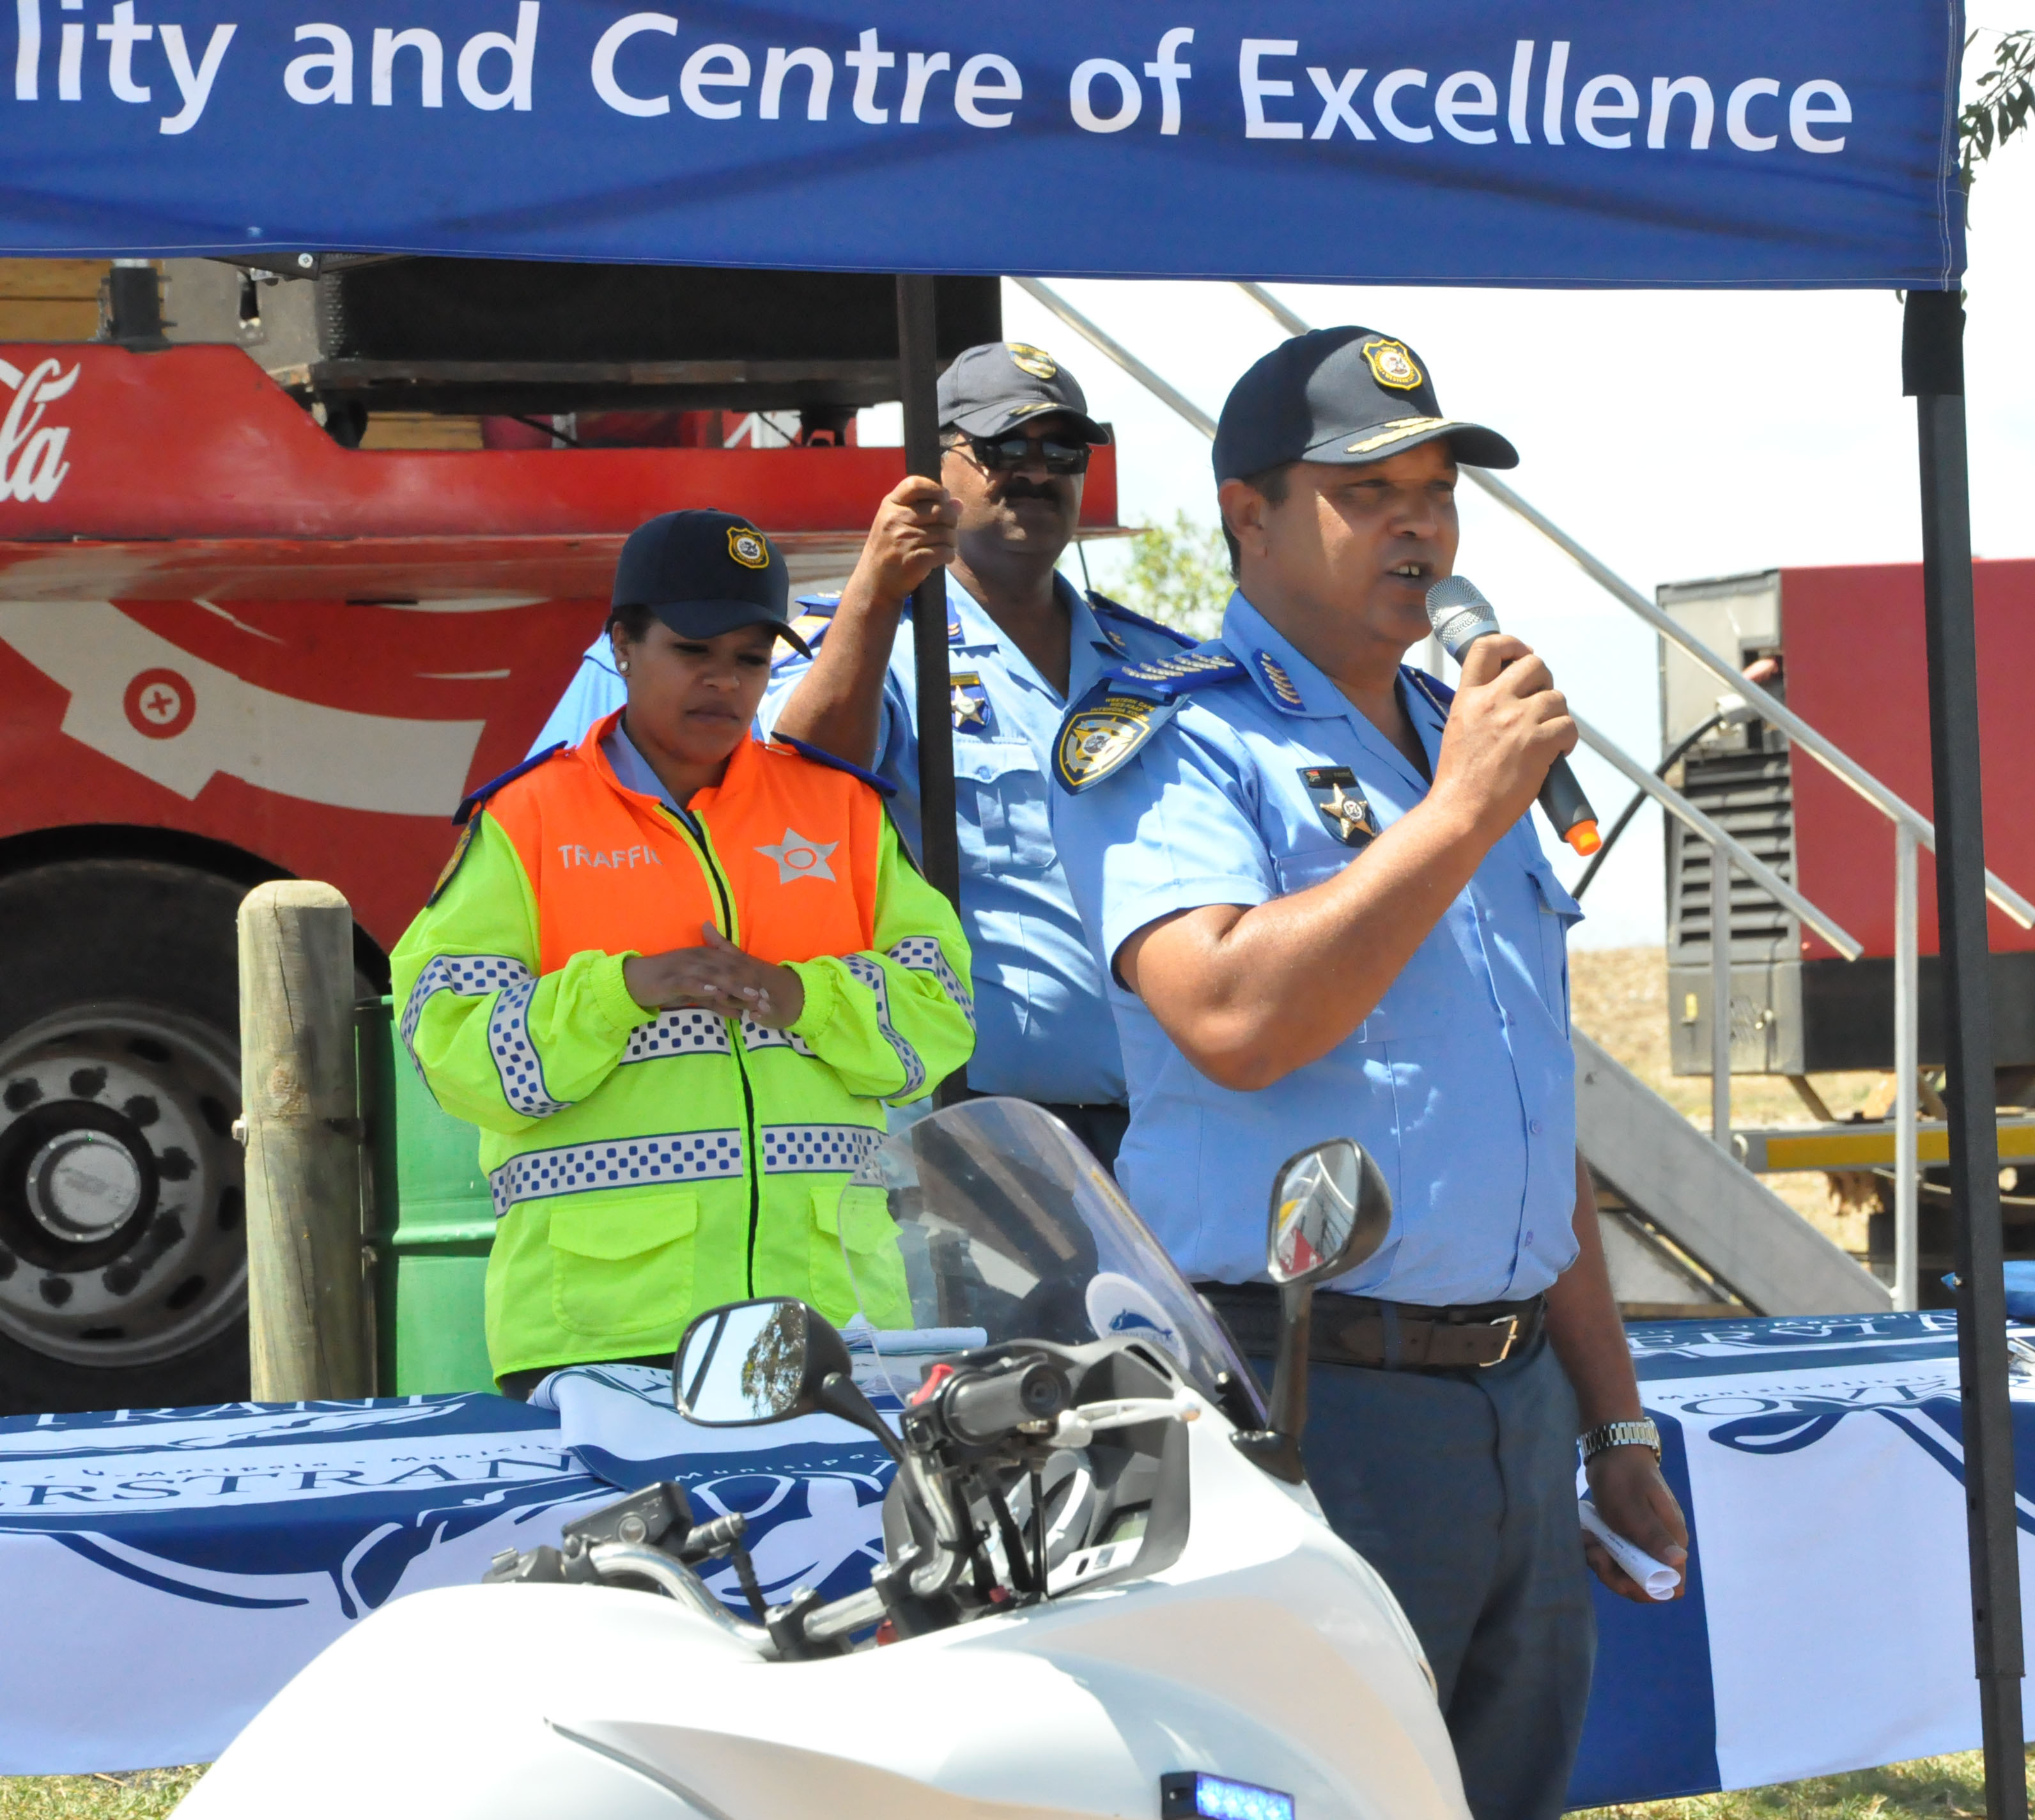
x=1388 y=1336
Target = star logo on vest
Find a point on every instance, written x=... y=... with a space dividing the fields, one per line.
x=798 y=858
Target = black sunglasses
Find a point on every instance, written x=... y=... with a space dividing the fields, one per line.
x=1006 y=453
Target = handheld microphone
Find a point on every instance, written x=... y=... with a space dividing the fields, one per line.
x=1461 y=615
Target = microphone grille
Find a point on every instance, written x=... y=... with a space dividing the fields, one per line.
x=1459 y=614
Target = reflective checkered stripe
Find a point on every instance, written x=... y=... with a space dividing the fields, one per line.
x=474 y=976
x=921 y=953
x=870 y=973
x=515 y=1063
x=622 y=1163
x=814 y=1149
x=755 y=1036
x=677 y=1033
x=695 y=1032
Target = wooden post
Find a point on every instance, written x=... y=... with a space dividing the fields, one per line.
x=307 y=1335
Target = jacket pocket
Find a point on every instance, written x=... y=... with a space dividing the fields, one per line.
x=624 y=1268
x=856 y=1264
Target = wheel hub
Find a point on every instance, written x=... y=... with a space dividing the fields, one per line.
x=84 y=1185
x=121 y=1235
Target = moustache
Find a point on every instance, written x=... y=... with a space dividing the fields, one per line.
x=1032 y=490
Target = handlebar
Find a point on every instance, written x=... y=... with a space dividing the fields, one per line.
x=986 y=1407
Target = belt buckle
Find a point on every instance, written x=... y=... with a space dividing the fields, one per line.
x=1511 y=1338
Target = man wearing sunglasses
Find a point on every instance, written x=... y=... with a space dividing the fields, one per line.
x=1022 y=643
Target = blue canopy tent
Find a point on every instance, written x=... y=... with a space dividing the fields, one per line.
x=1730 y=143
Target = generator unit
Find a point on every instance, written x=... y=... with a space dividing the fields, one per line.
x=1843 y=647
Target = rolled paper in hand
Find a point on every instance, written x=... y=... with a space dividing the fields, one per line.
x=1657 y=1577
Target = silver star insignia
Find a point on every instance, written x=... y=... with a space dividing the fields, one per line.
x=798 y=858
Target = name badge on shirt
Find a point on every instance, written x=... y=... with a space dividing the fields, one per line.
x=969 y=701
x=1341 y=803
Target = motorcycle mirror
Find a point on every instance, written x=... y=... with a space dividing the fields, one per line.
x=750 y=1362
x=1330 y=1211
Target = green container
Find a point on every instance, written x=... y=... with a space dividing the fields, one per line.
x=432 y=1225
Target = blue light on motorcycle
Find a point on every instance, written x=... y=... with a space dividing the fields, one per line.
x=1195 y=1795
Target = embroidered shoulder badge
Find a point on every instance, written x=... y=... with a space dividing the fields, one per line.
x=1341 y=800
x=1392 y=364
x=459 y=848
x=1098 y=741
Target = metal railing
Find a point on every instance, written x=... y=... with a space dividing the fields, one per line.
x=1912 y=831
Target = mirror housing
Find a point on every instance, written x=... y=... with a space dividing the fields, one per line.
x=752 y=1362
x=1331 y=1210
x=748 y=1363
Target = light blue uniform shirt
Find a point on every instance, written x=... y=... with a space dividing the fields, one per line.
x=595 y=689
x=1043 y=1029
x=1462 y=1083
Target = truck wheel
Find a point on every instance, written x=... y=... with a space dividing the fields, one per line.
x=123 y=1266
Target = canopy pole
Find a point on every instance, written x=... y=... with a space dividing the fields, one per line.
x=1932 y=374
x=918 y=374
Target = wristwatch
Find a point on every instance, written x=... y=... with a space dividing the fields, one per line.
x=1640 y=1434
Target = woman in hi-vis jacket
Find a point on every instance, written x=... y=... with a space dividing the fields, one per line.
x=674 y=974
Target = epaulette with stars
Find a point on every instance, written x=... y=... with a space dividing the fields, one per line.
x=1111 y=723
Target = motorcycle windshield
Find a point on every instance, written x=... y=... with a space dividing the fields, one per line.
x=995 y=1224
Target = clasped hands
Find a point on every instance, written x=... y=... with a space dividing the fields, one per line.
x=717 y=977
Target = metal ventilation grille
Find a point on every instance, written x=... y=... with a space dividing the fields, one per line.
x=1749 y=794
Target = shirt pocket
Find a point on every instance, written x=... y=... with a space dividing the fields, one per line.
x=856 y=1262
x=1310 y=866
x=1011 y=826
x=1559 y=913
x=624 y=1267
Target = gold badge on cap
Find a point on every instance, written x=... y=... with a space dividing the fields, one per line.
x=1392 y=364
x=1035 y=361
x=748 y=547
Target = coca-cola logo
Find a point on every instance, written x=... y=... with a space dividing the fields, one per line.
x=31 y=463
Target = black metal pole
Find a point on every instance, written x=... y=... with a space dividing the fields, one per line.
x=918 y=373
x=1932 y=374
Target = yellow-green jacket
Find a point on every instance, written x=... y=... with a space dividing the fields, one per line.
x=646 y=1167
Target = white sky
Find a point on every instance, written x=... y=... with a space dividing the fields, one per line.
x=1676 y=434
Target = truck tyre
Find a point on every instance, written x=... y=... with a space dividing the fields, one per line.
x=123 y=1267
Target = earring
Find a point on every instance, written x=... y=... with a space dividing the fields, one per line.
x=623 y=668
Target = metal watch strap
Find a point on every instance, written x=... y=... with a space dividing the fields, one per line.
x=1640 y=1434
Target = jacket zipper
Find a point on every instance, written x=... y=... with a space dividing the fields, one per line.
x=752 y=1137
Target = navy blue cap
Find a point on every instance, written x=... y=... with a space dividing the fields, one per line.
x=704 y=572
x=1345 y=396
x=996 y=385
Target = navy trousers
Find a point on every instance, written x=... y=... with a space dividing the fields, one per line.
x=1459 y=1487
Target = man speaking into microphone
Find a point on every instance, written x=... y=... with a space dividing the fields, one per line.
x=1325 y=912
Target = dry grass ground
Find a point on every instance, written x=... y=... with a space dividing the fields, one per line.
x=1619 y=996
x=1933 y=1788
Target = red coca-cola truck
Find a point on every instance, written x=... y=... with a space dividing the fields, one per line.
x=234 y=650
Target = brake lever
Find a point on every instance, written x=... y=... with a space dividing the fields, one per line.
x=1078 y=1427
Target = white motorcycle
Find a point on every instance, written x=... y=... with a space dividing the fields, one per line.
x=1107 y=1591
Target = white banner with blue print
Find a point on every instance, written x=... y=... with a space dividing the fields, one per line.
x=1827 y=1623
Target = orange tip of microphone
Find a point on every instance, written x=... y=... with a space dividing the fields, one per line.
x=1585 y=838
